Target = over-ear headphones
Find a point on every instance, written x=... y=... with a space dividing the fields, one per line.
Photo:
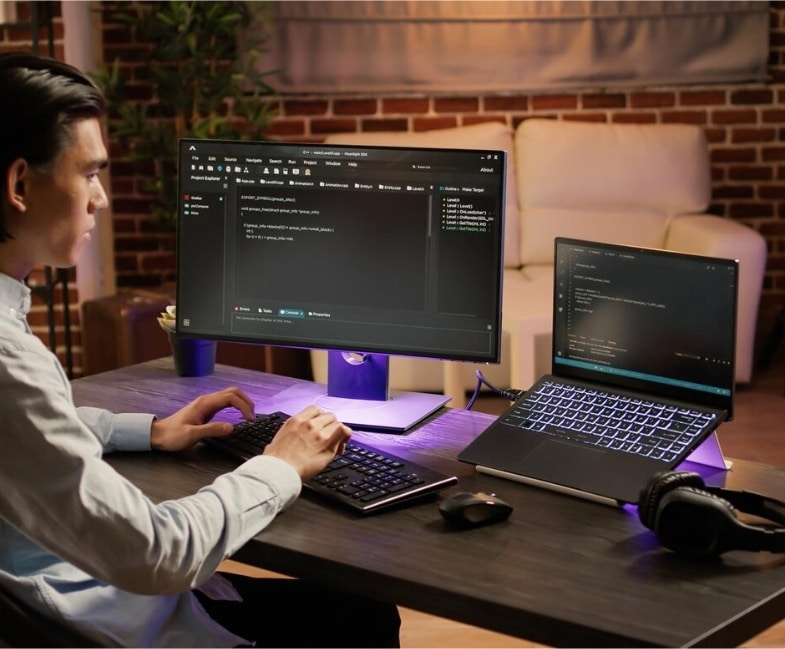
x=691 y=518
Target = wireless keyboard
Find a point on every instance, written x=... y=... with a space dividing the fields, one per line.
x=363 y=478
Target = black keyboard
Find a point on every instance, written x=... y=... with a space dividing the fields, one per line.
x=362 y=478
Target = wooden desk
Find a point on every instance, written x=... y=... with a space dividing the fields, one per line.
x=561 y=571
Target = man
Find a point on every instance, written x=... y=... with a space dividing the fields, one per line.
x=77 y=541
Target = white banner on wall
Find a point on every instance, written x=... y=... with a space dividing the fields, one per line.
x=470 y=46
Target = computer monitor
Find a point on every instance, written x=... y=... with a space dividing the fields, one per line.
x=365 y=251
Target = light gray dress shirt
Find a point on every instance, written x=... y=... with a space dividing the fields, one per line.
x=84 y=545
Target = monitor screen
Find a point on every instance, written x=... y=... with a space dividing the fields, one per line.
x=365 y=251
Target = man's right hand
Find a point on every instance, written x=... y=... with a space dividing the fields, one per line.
x=309 y=441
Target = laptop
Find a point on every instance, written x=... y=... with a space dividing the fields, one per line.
x=646 y=333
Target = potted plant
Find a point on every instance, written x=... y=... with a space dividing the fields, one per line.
x=203 y=85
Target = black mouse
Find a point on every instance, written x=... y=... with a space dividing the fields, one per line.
x=474 y=509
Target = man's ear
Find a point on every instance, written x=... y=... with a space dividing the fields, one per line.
x=16 y=183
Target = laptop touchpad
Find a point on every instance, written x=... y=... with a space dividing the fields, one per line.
x=560 y=462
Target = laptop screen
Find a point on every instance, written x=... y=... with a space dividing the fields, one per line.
x=650 y=320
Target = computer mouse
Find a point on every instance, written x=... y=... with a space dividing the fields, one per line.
x=474 y=509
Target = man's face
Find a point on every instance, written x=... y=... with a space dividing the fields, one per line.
x=62 y=205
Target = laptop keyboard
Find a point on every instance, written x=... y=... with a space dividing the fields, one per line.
x=362 y=478
x=650 y=429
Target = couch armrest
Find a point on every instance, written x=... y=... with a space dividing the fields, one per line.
x=715 y=236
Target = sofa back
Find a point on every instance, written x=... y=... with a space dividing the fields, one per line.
x=490 y=135
x=611 y=182
x=621 y=183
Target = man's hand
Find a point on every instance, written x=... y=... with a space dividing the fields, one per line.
x=192 y=422
x=309 y=441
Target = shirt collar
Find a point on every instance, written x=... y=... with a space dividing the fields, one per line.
x=14 y=296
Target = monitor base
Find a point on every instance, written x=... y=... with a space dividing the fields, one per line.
x=399 y=413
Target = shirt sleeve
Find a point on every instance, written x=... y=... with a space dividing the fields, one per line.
x=118 y=432
x=60 y=492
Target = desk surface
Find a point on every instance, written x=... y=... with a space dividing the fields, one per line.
x=560 y=571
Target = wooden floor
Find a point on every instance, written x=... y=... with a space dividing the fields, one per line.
x=757 y=433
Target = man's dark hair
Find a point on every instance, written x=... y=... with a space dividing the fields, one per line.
x=41 y=98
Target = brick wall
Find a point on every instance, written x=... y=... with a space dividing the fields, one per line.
x=745 y=125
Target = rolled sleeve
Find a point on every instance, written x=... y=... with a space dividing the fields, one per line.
x=118 y=432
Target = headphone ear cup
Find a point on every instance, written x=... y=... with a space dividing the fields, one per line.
x=660 y=484
x=692 y=521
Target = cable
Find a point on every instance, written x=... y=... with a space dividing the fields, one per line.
x=509 y=393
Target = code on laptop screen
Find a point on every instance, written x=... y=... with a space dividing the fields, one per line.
x=646 y=317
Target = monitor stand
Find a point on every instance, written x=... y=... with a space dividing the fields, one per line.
x=709 y=453
x=357 y=391
x=708 y=461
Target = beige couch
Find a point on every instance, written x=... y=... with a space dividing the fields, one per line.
x=641 y=184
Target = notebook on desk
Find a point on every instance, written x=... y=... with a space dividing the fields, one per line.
x=644 y=342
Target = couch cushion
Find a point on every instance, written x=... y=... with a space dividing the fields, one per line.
x=634 y=227
x=489 y=135
x=617 y=182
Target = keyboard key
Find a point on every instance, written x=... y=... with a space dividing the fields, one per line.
x=608 y=420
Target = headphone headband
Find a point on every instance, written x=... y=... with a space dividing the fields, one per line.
x=753 y=503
